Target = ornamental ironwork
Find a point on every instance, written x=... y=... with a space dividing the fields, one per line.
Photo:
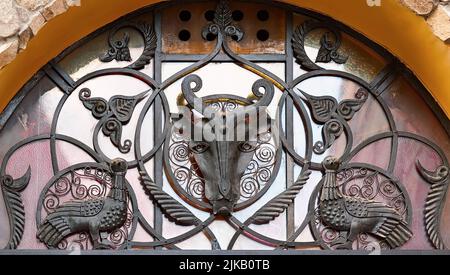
x=194 y=180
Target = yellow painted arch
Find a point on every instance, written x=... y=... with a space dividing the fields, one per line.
x=391 y=25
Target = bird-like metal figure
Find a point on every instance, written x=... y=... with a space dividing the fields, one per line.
x=352 y=216
x=98 y=217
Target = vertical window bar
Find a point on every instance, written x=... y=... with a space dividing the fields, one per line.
x=290 y=213
x=157 y=166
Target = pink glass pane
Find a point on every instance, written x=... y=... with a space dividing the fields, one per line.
x=33 y=116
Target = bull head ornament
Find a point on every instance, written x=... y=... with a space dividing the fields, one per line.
x=223 y=142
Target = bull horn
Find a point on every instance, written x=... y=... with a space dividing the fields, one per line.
x=266 y=98
x=189 y=92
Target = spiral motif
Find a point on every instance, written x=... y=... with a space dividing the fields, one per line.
x=334 y=126
x=111 y=125
x=345 y=174
x=367 y=192
x=214 y=29
x=80 y=192
x=179 y=151
x=51 y=201
x=362 y=171
x=399 y=204
x=230 y=30
x=265 y=154
x=62 y=186
x=362 y=94
x=96 y=191
x=388 y=189
x=63 y=245
x=354 y=190
x=229 y=106
x=363 y=237
x=196 y=188
x=252 y=167
x=8 y=181
x=129 y=219
x=263 y=174
x=329 y=235
x=370 y=180
x=182 y=174
x=85 y=93
x=249 y=187
x=118 y=236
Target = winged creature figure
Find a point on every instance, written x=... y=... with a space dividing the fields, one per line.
x=355 y=215
x=118 y=50
x=328 y=50
x=97 y=216
x=112 y=114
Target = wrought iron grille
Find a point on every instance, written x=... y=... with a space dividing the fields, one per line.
x=300 y=185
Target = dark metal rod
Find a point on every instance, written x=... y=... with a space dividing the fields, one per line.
x=157 y=161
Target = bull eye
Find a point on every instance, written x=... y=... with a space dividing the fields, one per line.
x=199 y=148
x=247 y=146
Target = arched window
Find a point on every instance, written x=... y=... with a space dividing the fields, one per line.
x=224 y=125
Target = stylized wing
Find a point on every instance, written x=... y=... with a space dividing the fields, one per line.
x=123 y=106
x=370 y=209
x=58 y=224
x=322 y=107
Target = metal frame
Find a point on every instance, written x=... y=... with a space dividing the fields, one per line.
x=291 y=101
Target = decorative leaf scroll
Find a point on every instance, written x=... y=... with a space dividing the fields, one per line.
x=348 y=108
x=112 y=128
x=171 y=208
x=330 y=132
x=328 y=47
x=11 y=193
x=326 y=111
x=223 y=16
x=119 y=48
x=112 y=114
x=280 y=203
x=222 y=23
x=439 y=184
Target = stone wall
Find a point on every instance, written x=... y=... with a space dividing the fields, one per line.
x=20 y=20
x=435 y=12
